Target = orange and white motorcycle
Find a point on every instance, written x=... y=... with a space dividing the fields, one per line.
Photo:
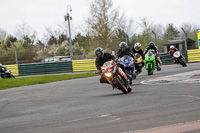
x=116 y=77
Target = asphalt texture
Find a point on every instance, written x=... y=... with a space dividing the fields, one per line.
x=86 y=106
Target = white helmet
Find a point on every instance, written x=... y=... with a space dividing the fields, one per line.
x=172 y=47
x=1 y=65
x=137 y=46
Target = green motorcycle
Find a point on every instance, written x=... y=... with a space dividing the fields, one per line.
x=150 y=62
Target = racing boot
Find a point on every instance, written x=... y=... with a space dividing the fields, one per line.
x=128 y=85
x=113 y=86
x=128 y=76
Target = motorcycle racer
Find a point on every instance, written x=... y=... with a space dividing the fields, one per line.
x=101 y=59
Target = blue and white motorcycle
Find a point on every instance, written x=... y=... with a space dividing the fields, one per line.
x=128 y=63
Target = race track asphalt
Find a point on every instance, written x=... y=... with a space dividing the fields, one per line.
x=86 y=106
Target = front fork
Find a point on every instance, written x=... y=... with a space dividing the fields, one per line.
x=123 y=75
x=119 y=71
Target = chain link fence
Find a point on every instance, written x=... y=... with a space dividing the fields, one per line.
x=35 y=53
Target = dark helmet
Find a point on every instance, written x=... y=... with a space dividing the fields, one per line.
x=99 y=50
x=151 y=45
x=123 y=44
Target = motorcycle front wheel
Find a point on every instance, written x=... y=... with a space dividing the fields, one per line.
x=120 y=85
x=182 y=62
x=149 y=69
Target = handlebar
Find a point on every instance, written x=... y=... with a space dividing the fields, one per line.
x=98 y=72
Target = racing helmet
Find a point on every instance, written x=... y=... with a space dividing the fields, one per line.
x=151 y=45
x=172 y=47
x=137 y=46
x=99 y=52
x=123 y=44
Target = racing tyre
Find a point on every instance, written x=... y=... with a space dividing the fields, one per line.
x=120 y=85
x=149 y=69
x=182 y=62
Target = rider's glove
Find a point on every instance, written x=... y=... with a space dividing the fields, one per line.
x=98 y=72
x=135 y=61
x=116 y=59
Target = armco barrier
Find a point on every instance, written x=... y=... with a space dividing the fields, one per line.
x=84 y=65
x=166 y=58
x=193 y=55
x=13 y=68
x=45 y=68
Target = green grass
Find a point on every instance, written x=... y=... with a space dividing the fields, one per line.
x=16 y=82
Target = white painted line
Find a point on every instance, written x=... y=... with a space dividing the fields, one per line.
x=175 y=78
x=107 y=117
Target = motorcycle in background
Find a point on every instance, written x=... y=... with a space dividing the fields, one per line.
x=150 y=62
x=179 y=58
x=129 y=66
x=6 y=73
x=138 y=65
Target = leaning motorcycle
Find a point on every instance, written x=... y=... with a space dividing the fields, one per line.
x=179 y=58
x=7 y=74
x=138 y=65
x=129 y=66
x=109 y=71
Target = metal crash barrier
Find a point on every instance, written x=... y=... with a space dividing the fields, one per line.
x=84 y=65
x=13 y=68
x=193 y=55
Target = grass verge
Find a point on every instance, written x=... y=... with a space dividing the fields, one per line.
x=16 y=82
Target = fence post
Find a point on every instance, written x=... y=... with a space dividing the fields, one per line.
x=68 y=18
x=97 y=40
x=16 y=57
x=43 y=55
x=155 y=37
x=185 y=38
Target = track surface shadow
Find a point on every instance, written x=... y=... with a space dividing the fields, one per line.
x=118 y=94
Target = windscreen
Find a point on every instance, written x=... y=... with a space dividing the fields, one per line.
x=150 y=53
x=106 y=64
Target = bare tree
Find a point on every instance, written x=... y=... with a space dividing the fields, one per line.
x=63 y=27
x=54 y=33
x=131 y=27
x=191 y=30
x=104 y=20
x=108 y=24
x=146 y=35
x=145 y=25
x=159 y=30
x=24 y=30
